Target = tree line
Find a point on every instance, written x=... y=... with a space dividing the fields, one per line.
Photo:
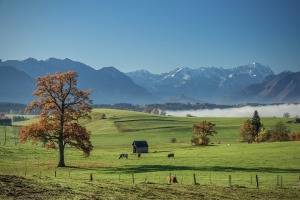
x=252 y=130
x=171 y=106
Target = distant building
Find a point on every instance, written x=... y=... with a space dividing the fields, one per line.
x=5 y=122
x=140 y=147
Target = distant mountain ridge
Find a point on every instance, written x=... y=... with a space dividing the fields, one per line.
x=252 y=83
x=15 y=86
x=109 y=84
x=281 y=88
x=210 y=84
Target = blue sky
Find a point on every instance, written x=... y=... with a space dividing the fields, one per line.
x=157 y=35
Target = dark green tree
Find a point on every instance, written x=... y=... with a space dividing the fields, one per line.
x=256 y=123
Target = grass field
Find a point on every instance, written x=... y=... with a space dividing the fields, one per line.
x=277 y=165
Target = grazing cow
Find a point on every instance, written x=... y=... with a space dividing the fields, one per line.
x=171 y=155
x=123 y=155
x=172 y=179
x=139 y=155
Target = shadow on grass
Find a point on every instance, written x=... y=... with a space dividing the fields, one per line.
x=156 y=168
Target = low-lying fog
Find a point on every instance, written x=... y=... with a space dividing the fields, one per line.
x=247 y=111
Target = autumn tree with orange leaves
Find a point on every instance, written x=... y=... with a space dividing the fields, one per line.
x=61 y=105
x=202 y=131
x=247 y=131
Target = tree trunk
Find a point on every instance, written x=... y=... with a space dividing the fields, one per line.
x=61 y=154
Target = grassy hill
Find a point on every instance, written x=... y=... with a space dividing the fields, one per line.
x=273 y=163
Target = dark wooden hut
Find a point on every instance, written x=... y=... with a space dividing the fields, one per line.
x=5 y=122
x=140 y=147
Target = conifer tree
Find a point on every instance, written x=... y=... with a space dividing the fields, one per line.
x=256 y=123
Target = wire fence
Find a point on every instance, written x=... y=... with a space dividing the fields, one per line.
x=9 y=135
x=265 y=181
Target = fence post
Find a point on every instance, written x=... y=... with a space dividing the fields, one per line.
x=251 y=179
x=15 y=136
x=4 y=134
x=91 y=177
x=256 y=177
x=132 y=178
x=281 y=182
x=170 y=178
x=146 y=179
x=210 y=178
x=195 y=181
x=229 y=180
x=69 y=174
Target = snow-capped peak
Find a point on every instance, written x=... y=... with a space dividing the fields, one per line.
x=173 y=73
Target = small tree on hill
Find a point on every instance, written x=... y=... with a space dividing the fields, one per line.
x=202 y=131
x=286 y=115
x=280 y=132
x=247 y=131
x=155 y=111
x=61 y=105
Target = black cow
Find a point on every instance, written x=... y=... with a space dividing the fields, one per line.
x=171 y=155
x=123 y=155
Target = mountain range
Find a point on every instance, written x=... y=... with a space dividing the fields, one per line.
x=210 y=84
x=252 y=83
x=109 y=85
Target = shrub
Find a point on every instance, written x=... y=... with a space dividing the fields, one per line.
x=295 y=136
x=189 y=115
x=103 y=116
x=280 y=132
x=264 y=135
x=173 y=140
x=19 y=118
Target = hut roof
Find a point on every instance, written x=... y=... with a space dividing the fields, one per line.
x=5 y=120
x=140 y=143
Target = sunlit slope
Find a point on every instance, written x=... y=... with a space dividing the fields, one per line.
x=122 y=127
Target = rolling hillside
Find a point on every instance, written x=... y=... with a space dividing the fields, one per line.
x=113 y=178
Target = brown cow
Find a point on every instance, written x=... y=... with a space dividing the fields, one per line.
x=172 y=179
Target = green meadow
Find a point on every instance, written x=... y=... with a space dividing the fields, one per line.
x=226 y=169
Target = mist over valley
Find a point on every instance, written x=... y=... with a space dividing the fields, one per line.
x=246 y=111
